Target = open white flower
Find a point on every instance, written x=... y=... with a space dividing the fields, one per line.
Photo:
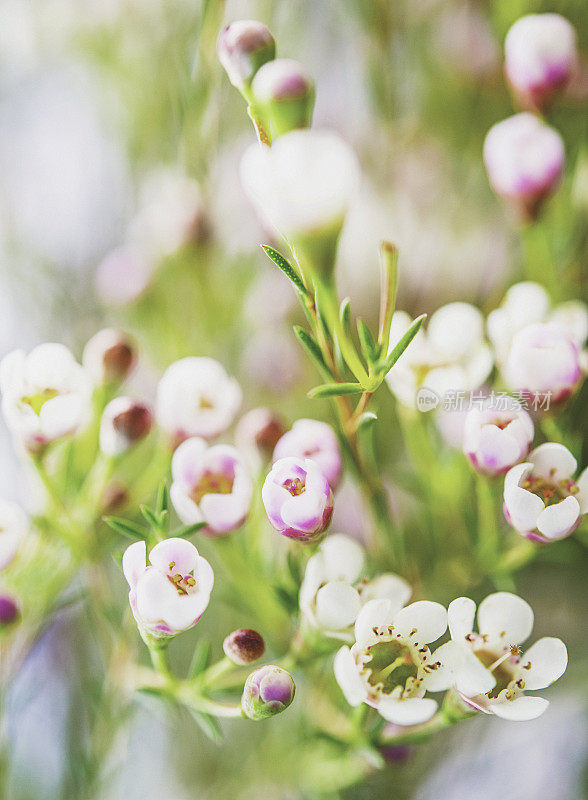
x=541 y=499
x=390 y=665
x=171 y=595
x=14 y=526
x=450 y=355
x=196 y=397
x=45 y=394
x=488 y=668
x=332 y=594
x=496 y=439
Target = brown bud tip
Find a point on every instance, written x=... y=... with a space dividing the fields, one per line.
x=125 y=422
x=110 y=356
x=244 y=646
x=242 y=48
x=260 y=429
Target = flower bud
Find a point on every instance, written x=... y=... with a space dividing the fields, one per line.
x=125 y=422
x=310 y=438
x=268 y=691
x=242 y=48
x=495 y=439
x=9 y=611
x=541 y=57
x=244 y=646
x=110 y=356
x=298 y=499
x=285 y=92
x=524 y=159
x=257 y=434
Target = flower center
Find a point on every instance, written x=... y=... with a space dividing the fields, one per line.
x=295 y=486
x=502 y=667
x=390 y=665
x=37 y=401
x=183 y=583
x=550 y=491
x=212 y=483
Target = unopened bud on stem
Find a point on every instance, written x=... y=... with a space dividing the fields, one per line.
x=109 y=356
x=242 y=48
x=285 y=92
x=244 y=646
x=124 y=423
x=268 y=691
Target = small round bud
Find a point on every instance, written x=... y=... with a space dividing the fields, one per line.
x=114 y=497
x=110 y=356
x=9 y=611
x=286 y=93
x=258 y=432
x=242 y=48
x=244 y=646
x=268 y=691
x=125 y=422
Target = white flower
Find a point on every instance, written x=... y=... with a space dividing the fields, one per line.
x=488 y=669
x=495 y=439
x=171 y=595
x=541 y=499
x=14 y=526
x=390 y=666
x=450 y=355
x=303 y=183
x=45 y=394
x=331 y=594
x=210 y=484
x=310 y=438
x=528 y=302
x=196 y=397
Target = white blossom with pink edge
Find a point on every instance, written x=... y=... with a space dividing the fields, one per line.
x=390 y=666
x=309 y=438
x=524 y=159
x=541 y=57
x=298 y=499
x=211 y=485
x=543 y=363
x=495 y=439
x=45 y=395
x=196 y=397
x=541 y=499
x=488 y=668
x=450 y=355
x=14 y=526
x=171 y=594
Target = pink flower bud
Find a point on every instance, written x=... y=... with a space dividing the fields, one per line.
x=310 y=438
x=244 y=646
x=257 y=434
x=171 y=594
x=110 y=356
x=268 y=691
x=242 y=47
x=210 y=484
x=298 y=499
x=9 y=611
x=496 y=439
x=122 y=276
x=541 y=57
x=286 y=92
x=524 y=159
x=125 y=422
x=543 y=363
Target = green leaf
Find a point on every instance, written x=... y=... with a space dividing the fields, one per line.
x=162 y=502
x=127 y=528
x=150 y=517
x=345 y=316
x=308 y=342
x=335 y=389
x=200 y=658
x=208 y=725
x=286 y=268
x=368 y=346
x=388 y=289
x=402 y=344
x=188 y=530
x=322 y=318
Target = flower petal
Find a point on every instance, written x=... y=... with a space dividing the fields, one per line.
x=505 y=616
x=387 y=586
x=521 y=709
x=459 y=668
x=429 y=619
x=582 y=496
x=180 y=551
x=553 y=461
x=412 y=711
x=548 y=659
x=348 y=677
x=134 y=562
x=557 y=521
x=343 y=557
x=374 y=614
x=337 y=606
x=460 y=616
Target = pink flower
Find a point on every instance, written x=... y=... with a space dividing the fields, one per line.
x=210 y=484
x=543 y=362
x=171 y=595
x=298 y=499
x=524 y=159
x=496 y=439
x=541 y=57
x=310 y=438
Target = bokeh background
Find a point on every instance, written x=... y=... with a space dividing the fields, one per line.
x=106 y=108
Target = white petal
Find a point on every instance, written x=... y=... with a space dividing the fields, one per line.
x=505 y=616
x=429 y=619
x=180 y=551
x=582 y=496
x=557 y=521
x=374 y=614
x=387 y=586
x=225 y=512
x=348 y=677
x=523 y=507
x=184 y=506
x=460 y=616
x=344 y=558
x=407 y=712
x=134 y=562
x=552 y=461
x=459 y=668
x=548 y=659
x=521 y=709
x=337 y=606
x=204 y=575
